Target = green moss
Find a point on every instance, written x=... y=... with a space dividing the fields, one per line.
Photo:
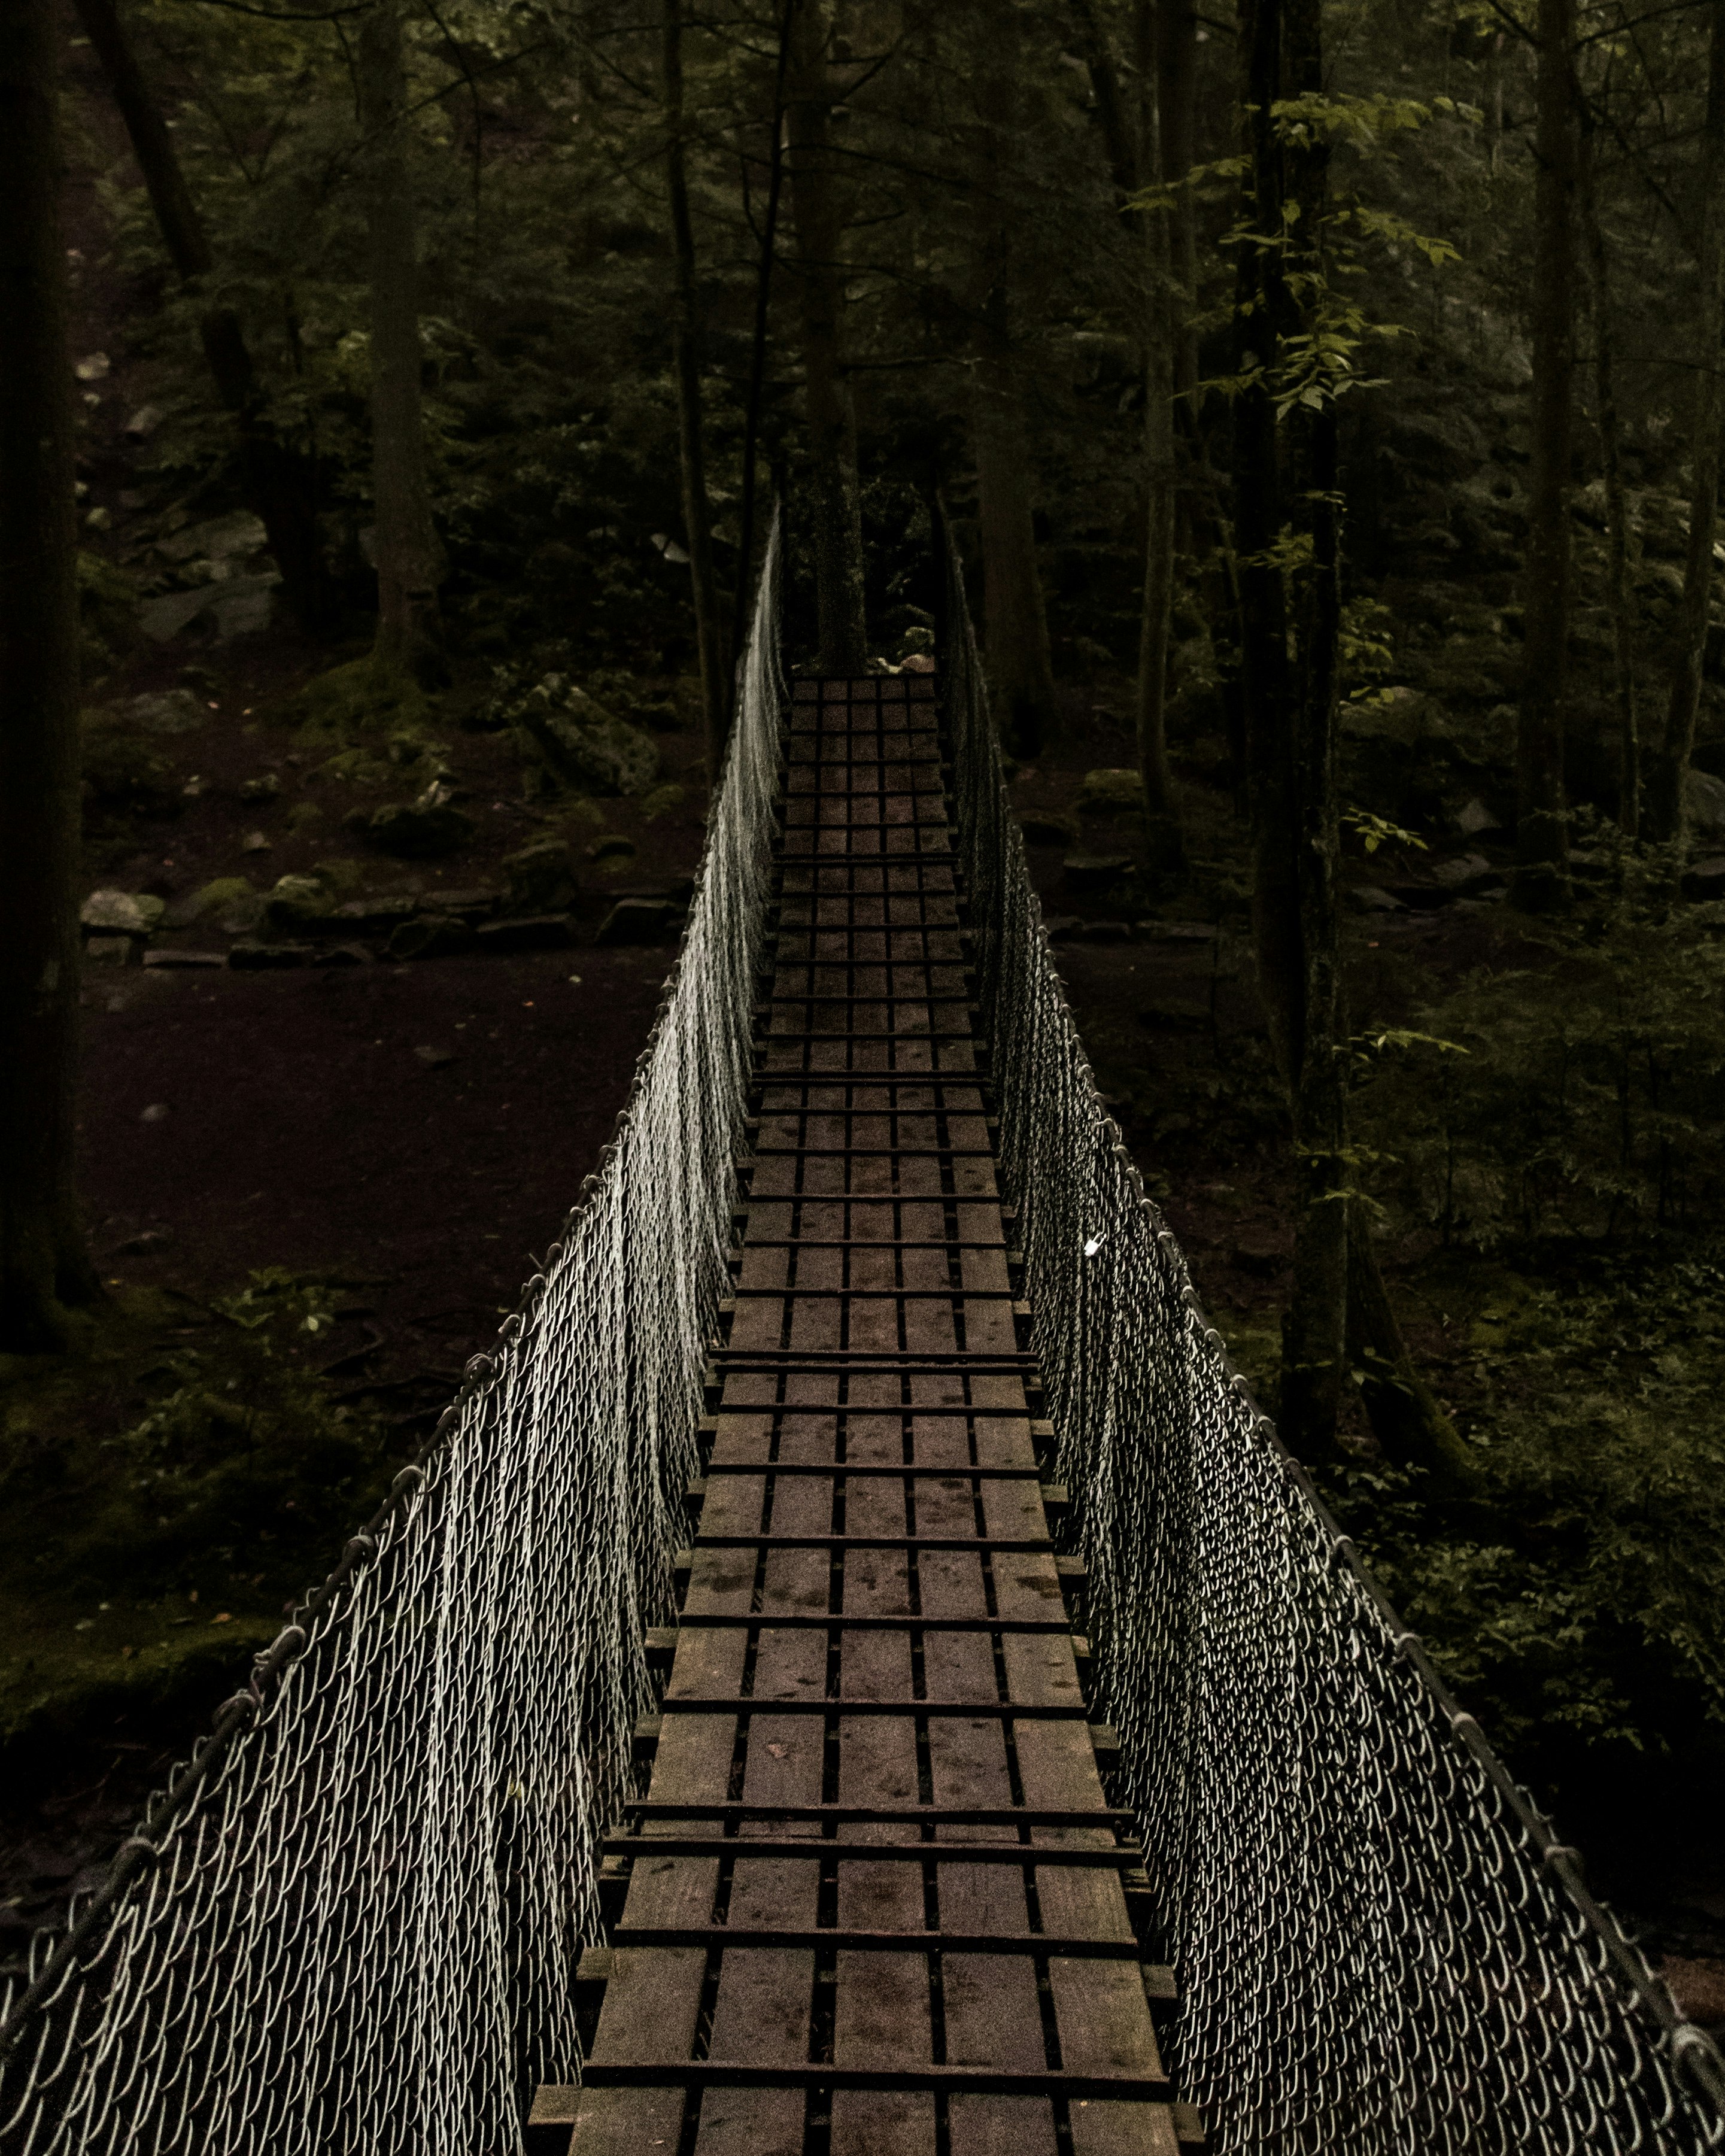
x=164 y=1488
x=362 y=697
x=225 y=890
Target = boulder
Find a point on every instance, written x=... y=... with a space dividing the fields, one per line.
x=377 y=912
x=422 y=830
x=1704 y=801
x=1469 y=874
x=471 y=907
x=346 y=954
x=210 y=898
x=177 y=962
x=122 y=912
x=236 y=606
x=1111 y=793
x=264 y=787
x=547 y=932
x=541 y=877
x=1094 y=872
x=1044 y=828
x=217 y=539
x=1476 y=818
x=296 y=901
x=613 y=847
x=111 y=950
x=1705 y=879
x=637 y=921
x=1370 y=898
x=431 y=936
x=584 y=743
x=169 y=710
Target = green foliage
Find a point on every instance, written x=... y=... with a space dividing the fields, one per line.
x=179 y=1469
x=1589 y=1106
x=1577 y=1605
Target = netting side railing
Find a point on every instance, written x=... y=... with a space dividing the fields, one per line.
x=352 y=1924
x=1382 y=1947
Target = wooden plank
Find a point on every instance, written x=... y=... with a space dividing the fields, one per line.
x=868 y=921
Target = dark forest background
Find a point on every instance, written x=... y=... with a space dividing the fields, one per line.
x=1324 y=399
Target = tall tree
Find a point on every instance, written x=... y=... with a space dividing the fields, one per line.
x=757 y=343
x=1176 y=63
x=278 y=480
x=1542 y=876
x=1157 y=152
x=408 y=556
x=44 y=1263
x=1617 y=576
x=1670 y=768
x=829 y=410
x=697 y=509
x=1287 y=535
x=1162 y=811
x=1014 y=612
x=1291 y=757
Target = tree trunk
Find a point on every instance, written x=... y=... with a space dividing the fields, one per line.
x=1406 y=1416
x=1617 y=583
x=1292 y=728
x=43 y=1265
x=1312 y=1328
x=758 y=348
x=1162 y=809
x=831 y=416
x=408 y=557
x=1015 y=616
x=1666 y=778
x=1542 y=876
x=1177 y=63
x=1117 y=146
x=279 y=482
x=697 y=511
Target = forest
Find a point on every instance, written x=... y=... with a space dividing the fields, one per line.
x=1324 y=398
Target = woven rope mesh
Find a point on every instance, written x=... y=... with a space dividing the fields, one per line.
x=356 y=1926
x=360 y=1930
x=1374 y=1954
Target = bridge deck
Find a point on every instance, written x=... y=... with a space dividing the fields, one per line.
x=876 y=1901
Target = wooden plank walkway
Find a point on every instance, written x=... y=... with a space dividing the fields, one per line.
x=876 y=1903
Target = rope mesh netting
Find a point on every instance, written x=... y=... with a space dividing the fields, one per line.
x=354 y=1923
x=1380 y=1945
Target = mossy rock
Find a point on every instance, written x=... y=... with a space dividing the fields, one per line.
x=362 y=697
x=1111 y=793
x=354 y=767
x=298 y=900
x=217 y=897
x=1044 y=828
x=662 y=800
x=120 y=773
x=541 y=877
x=420 y=830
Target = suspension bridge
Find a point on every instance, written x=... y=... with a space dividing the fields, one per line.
x=854 y=1670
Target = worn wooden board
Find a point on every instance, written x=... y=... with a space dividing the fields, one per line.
x=870 y=921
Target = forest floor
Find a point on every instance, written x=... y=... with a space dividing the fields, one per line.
x=351 y=1165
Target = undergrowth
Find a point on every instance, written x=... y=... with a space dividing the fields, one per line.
x=165 y=1490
